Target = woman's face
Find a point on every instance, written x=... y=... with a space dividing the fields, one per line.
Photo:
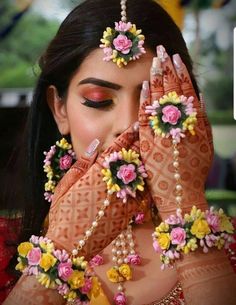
x=103 y=100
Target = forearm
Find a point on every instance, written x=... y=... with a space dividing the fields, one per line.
x=29 y=291
x=207 y=279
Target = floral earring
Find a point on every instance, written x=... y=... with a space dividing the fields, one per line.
x=57 y=162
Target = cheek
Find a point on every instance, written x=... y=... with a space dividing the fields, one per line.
x=85 y=126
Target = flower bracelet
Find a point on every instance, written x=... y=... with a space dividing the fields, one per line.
x=72 y=277
x=179 y=235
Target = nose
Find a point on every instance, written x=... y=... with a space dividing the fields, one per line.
x=126 y=115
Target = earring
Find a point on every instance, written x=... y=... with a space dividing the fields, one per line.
x=57 y=162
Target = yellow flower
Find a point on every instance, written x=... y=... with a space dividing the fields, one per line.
x=96 y=288
x=47 y=261
x=20 y=266
x=200 y=228
x=24 y=248
x=163 y=227
x=125 y=271
x=225 y=224
x=113 y=275
x=220 y=243
x=170 y=97
x=47 y=247
x=71 y=296
x=44 y=279
x=76 y=280
x=164 y=240
x=63 y=144
x=130 y=156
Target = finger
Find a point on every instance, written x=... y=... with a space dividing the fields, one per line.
x=156 y=80
x=145 y=101
x=78 y=169
x=185 y=80
x=170 y=79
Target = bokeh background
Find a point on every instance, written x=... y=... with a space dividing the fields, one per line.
x=26 y=26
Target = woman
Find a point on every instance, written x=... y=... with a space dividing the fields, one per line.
x=98 y=104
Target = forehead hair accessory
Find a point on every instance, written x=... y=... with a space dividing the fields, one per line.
x=123 y=43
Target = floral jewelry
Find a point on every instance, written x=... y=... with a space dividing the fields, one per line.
x=124 y=42
x=172 y=115
x=179 y=235
x=124 y=173
x=57 y=162
x=72 y=277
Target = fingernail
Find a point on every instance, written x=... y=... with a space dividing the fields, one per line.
x=156 y=66
x=177 y=61
x=145 y=89
x=161 y=53
x=92 y=148
x=136 y=126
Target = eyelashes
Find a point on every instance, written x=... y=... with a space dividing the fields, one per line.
x=98 y=105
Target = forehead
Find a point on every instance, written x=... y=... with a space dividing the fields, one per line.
x=131 y=75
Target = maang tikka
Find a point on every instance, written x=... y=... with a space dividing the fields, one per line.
x=123 y=43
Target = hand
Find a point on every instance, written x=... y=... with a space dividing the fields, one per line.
x=195 y=152
x=81 y=194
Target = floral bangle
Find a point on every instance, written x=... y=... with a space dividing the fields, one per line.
x=124 y=173
x=71 y=276
x=179 y=235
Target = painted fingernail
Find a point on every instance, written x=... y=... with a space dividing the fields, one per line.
x=145 y=89
x=92 y=148
x=161 y=53
x=136 y=126
x=156 y=67
x=177 y=61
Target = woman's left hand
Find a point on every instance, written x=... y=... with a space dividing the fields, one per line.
x=195 y=151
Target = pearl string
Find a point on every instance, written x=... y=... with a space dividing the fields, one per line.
x=123 y=10
x=122 y=247
x=178 y=186
x=89 y=232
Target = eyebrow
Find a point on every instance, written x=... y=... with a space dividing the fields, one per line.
x=100 y=82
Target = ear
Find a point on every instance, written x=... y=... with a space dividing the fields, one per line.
x=58 y=108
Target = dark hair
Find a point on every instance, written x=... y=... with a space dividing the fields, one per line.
x=78 y=35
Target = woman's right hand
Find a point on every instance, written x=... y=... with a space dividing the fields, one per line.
x=80 y=195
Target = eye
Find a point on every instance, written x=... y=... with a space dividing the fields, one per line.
x=95 y=104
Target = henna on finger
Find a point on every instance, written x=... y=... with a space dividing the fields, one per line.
x=170 y=79
x=156 y=79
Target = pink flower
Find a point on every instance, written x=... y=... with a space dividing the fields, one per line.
x=108 y=54
x=120 y=298
x=122 y=26
x=63 y=289
x=87 y=286
x=171 y=114
x=176 y=134
x=127 y=173
x=97 y=260
x=156 y=247
x=34 y=256
x=65 y=270
x=65 y=162
x=213 y=221
x=178 y=236
x=134 y=259
x=122 y=44
x=139 y=218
